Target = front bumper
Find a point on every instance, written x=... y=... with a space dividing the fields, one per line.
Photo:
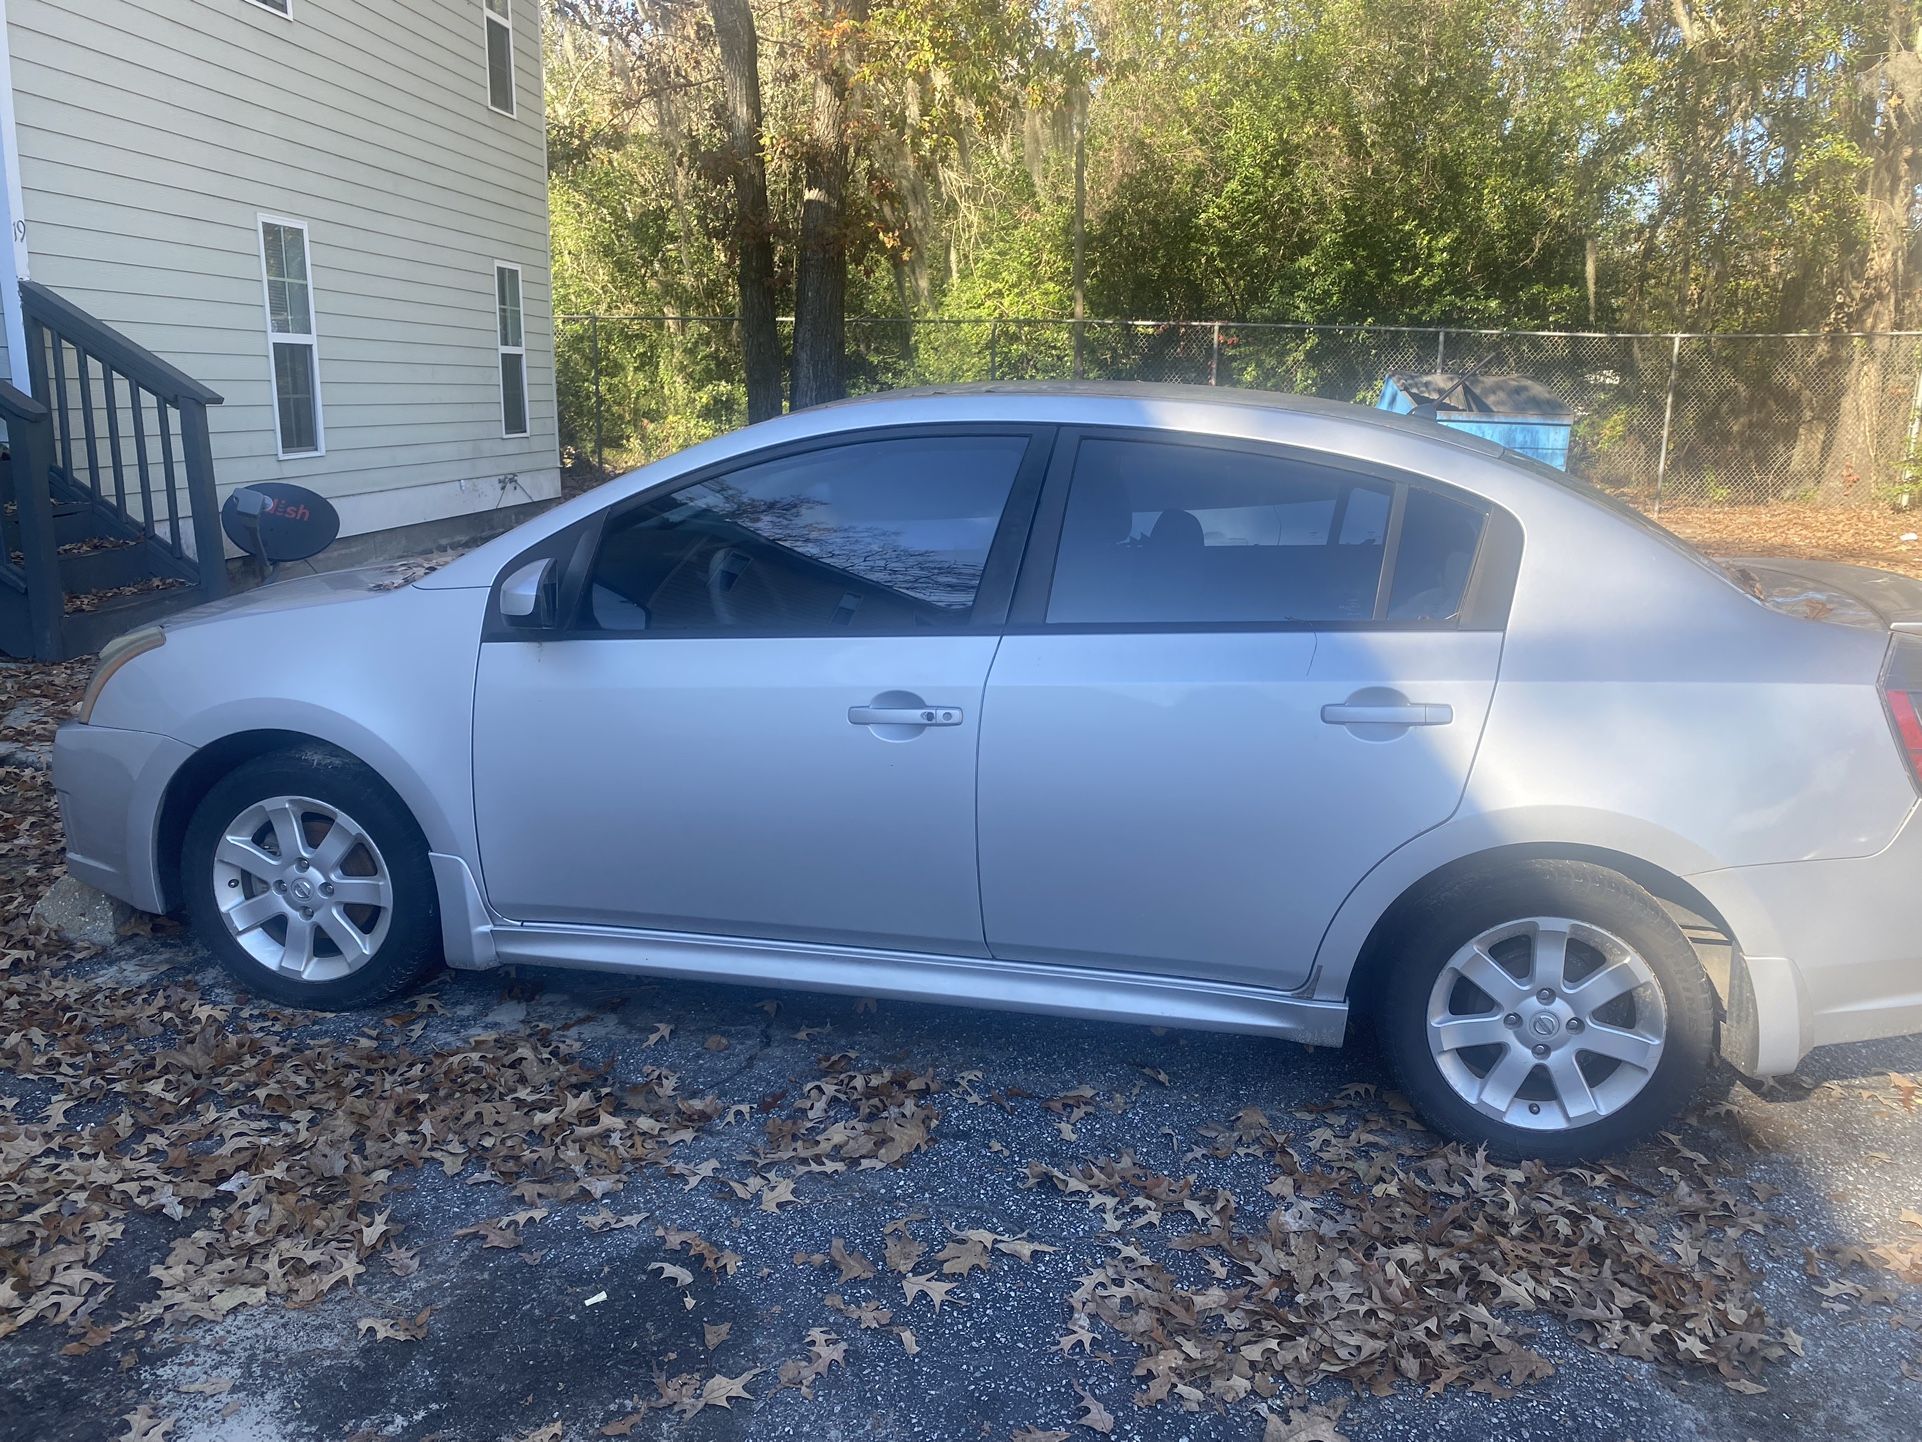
x=1829 y=951
x=110 y=784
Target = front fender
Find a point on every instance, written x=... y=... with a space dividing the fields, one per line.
x=386 y=677
x=424 y=792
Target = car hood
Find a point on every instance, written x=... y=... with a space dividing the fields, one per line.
x=325 y=589
x=1830 y=591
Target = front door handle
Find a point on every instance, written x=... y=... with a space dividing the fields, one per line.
x=1413 y=713
x=904 y=715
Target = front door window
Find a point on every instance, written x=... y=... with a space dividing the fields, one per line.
x=883 y=537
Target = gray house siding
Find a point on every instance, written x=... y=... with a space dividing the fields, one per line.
x=155 y=134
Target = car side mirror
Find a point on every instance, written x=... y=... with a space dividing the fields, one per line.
x=530 y=597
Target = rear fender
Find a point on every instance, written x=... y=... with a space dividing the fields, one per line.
x=1545 y=830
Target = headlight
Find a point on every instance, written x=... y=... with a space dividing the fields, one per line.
x=115 y=654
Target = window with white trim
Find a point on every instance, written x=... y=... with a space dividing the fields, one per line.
x=513 y=349
x=279 y=7
x=498 y=21
x=290 y=335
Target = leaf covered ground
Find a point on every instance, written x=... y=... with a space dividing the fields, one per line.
x=549 y=1206
x=1863 y=535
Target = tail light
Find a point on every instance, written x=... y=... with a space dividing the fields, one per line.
x=1902 y=698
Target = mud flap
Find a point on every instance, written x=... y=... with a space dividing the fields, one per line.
x=1741 y=1027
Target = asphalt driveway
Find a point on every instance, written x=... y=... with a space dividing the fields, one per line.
x=570 y=1206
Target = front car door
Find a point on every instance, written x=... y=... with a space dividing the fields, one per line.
x=1236 y=677
x=761 y=717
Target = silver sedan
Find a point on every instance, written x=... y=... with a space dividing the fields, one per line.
x=1170 y=705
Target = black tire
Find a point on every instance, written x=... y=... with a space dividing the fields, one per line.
x=1457 y=911
x=408 y=952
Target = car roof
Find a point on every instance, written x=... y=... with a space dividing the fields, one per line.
x=1393 y=440
x=1227 y=397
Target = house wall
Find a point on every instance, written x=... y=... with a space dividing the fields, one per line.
x=153 y=134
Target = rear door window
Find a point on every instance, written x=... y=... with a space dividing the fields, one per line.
x=1169 y=533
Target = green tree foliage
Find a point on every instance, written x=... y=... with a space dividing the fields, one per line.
x=1700 y=164
x=1344 y=161
x=1743 y=194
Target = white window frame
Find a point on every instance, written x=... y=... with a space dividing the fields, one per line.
x=311 y=340
x=506 y=22
x=520 y=302
x=274 y=9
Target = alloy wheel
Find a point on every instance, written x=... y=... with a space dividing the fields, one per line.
x=1546 y=1023
x=302 y=888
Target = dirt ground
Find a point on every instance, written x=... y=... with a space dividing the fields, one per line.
x=1867 y=536
x=1058 y=1230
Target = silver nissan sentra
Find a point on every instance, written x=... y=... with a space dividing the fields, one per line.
x=1172 y=705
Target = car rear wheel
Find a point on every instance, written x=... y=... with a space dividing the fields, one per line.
x=1554 y=1010
x=309 y=880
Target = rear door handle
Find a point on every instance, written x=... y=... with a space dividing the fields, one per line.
x=904 y=715
x=1411 y=714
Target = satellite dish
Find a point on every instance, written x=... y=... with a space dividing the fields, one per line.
x=276 y=521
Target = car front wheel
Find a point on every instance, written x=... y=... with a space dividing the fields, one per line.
x=309 y=880
x=1554 y=1010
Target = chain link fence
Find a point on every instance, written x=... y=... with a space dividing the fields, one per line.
x=1660 y=419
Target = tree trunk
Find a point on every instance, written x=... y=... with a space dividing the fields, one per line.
x=673 y=133
x=739 y=50
x=821 y=270
x=1864 y=441
x=1892 y=92
x=1080 y=225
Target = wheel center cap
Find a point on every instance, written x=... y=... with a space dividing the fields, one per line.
x=1544 y=1024
x=302 y=890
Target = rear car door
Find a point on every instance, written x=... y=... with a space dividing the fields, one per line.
x=761 y=718
x=1236 y=677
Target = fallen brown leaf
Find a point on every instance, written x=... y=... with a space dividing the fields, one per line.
x=1094 y=1416
x=934 y=1290
x=405 y=1329
x=1307 y=1424
x=144 y=1425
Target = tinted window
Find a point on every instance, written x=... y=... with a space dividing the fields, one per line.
x=875 y=537
x=1157 y=532
x=1438 y=541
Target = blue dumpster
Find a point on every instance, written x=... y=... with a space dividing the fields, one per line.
x=1511 y=411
